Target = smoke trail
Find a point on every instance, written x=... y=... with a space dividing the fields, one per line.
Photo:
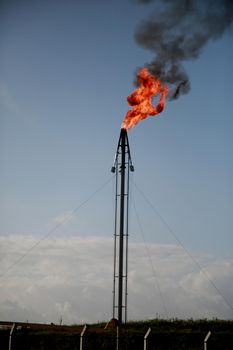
x=177 y=31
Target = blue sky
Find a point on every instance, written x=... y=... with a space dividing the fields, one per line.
x=66 y=70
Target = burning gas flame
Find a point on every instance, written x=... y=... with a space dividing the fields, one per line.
x=141 y=99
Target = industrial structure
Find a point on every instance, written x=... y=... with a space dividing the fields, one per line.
x=122 y=167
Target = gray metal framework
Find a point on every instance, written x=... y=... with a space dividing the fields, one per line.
x=121 y=167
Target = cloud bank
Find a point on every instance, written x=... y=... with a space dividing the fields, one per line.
x=72 y=279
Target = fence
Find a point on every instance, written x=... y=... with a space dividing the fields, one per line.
x=36 y=337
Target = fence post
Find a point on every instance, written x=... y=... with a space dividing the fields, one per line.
x=11 y=334
x=205 y=340
x=81 y=336
x=145 y=338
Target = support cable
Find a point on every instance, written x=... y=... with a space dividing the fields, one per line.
x=150 y=260
x=200 y=268
x=66 y=219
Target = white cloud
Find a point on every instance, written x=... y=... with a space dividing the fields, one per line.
x=72 y=278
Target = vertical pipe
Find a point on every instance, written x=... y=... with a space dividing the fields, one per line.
x=122 y=211
x=117 y=338
x=127 y=238
x=115 y=242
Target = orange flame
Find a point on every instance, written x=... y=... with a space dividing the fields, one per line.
x=141 y=99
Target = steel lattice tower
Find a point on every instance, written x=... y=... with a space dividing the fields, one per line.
x=121 y=167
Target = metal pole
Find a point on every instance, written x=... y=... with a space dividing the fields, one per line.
x=127 y=236
x=115 y=169
x=122 y=212
x=205 y=340
x=145 y=338
x=117 y=338
x=81 y=336
x=11 y=334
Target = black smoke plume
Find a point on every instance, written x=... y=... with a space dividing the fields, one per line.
x=177 y=31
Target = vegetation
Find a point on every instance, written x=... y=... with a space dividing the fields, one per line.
x=170 y=335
